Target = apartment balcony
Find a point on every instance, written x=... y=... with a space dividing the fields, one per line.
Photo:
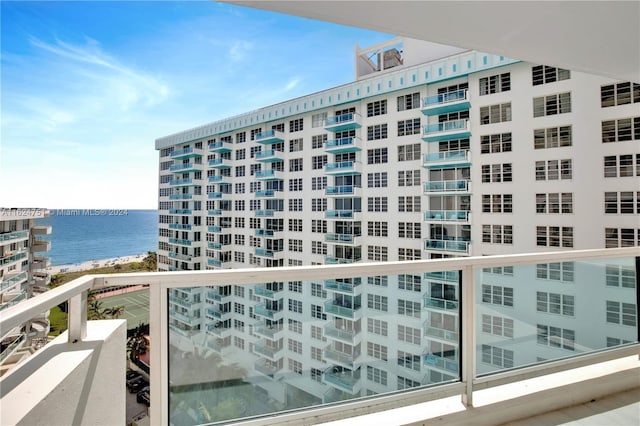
x=41 y=278
x=12 y=279
x=180 y=241
x=269 y=213
x=221 y=146
x=181 y=211
x=342 y=334
x=267 y=232
x=10 y=299
x=40 y=246
x=216 y=297
x=185 y=167
x=215 y=229
x=457 y=216
x=343 y=191
x=447 y=159
x=343 y=214
x=490 y=385
x=346 y=285
x=460 y=186
x=267 y=175
x=180 y=196
x=12 y=257
x=343 y=168
x=39 y=262
x=181 y=301
x=218 y=195
x=41 y=230
x=13 y=237
x=445 y=103
x=341 y=309
x=455 y=129
x=267 y=368
x=453 y=245
x=269 y=293
x=215 y=212
x=219 y=179
x=265 y=193
x=218 y=330
x=218 y=313
x=344 y=380
x=335 y=356
x=262 y=252
x=447 y=276
x=217 y=263
x=183 y=318
x=333 y=260
x=220 y=163
x=185 y=153
x=432 y=331
x=345 y=239
x=269 y=137
x=343 y=145
x=269 y=156
x=180 y=226
x=272 y=333
x=268 y=311
x=181 y=182
x=180 y=256
x=340 y=123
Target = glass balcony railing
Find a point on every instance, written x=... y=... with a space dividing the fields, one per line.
x=180 y=256
x=343 y=168
x=454 y=129
x=269 y=155
x=339 y=123
x=182 y=152
x=11 y=280
x=181 y=226
x=341 y=238
x=341 y=145
x=182 y=167
x=461 y=185
x=269 y=174
x=443 y=103
x=265 y=193
x=264 y=291
x=342 y=190
x=447 y=215
x=344 y=286
x=180 y=241
x=220 y=163
x=181 y=211
x=12 y=257
x=448 y=245
x=180 y=182
x=446 y=157
x=16 y=235
x=269 y=137
x=341 y=214
x=214 y=212
x=220 y=146
x=516 y=317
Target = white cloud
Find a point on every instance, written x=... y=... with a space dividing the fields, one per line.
x=239 y=50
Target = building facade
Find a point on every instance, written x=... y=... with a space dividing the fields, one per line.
x=431 y=152
x=23 y=273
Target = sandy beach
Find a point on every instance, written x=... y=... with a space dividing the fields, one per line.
x=95 y=264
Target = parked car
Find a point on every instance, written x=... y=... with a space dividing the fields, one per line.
x=136 y=386
x=134 y=378
x=143 y=397
x=132 y=374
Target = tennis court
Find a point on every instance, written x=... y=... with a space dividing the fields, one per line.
x=136 y=306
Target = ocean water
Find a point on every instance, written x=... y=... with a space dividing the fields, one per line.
x=84 y=235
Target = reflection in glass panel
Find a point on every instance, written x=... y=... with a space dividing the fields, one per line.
x=541 y=312
x=271 y=347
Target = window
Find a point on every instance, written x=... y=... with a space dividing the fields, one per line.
x=377 y=302
x=406 y=102
x=619 y=94
x=318 y=204
x=497 y=234
x=624 y=129
x=542 y=74
x=497 y=295
x=377 y=351
x=317 y=120
x=316 y=375
x=409 y=254
x=409 y=360
x=376 y=132
x=409 y=127
x=377 y=326
x=500 y=142
x=497 y=203
x=295 y=366
x=241 y=137
x=294 y=345
x=295 y=145
x=409 y=177
x=378 y=280
x=316 y=312
x=555 y=303
x=554 y=170
x=377 y=253
x=318 y=183
x=498 y=326
x=409 y=152
x=377 y=180
x=621 y=313
x=376 y=375
x=318 y=247
x=295 y=225
x=556 y=271
x=295 y=184
x=554 y=202
x=554 y=236
x=620 y=276
x=376 y=108
x=621 y=166
x=409 y=204
x=296 y=126
x=495 y=84
x=239 y=205
x=409 y=230
x=626 y=202
x=319 y=225
x=620 y=237
x=377 y=156
x=406 y=383
x=318 y=162
x=239 y=188
x=409 y=308
x=316 y=333
x=495 y=113
x=295 y=205
x=409 y=334
x=377 y=204
x=295 y=245
x=377 y=229
x=295 y=165
x=318 y=291
x=556 y=337
x=295 y=306
x=497 y=172
x=318 y=141
x=497 y=356
x=254 y=132
x=552 y=137
x=552 y=104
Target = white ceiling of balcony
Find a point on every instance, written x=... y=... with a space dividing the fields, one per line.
x=597 y=37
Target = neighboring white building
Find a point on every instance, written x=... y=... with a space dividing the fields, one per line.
x=431 y=152
x=23 y=273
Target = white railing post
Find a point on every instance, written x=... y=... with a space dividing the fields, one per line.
x=468 y=341
x=77 y=317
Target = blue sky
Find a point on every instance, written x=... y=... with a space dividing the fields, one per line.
x=87 y=87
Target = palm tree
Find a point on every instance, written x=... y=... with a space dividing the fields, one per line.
x=95 y=311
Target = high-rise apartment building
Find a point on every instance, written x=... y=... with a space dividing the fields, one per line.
x=23 y=273
x=431 y=152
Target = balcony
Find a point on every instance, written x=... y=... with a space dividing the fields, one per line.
x=40 y=246
x=39 y=262
x=215 y=212
x=269 y=311
x=339 y=308
x=269 y=156
x=272 y=333
x=214 y=229
x=461 y=186
x=491 y=386
x=179 y=241
x=347 y=239
x=180 y=226
x=181 y=211
x=180 y=196
x=181 y=182
x=185 y=167
x=342 y=334
x=447 y=159
x=343 y=145
x=220 y=163
x=333 y=260
x=458 y=216
x=218 y=195
x=343 y=168
x=455 y=129
x=344 y=380
x=10 y=237
x=221 y=146
x=340 y=123
x=343 y=191
x=185 y=153
x=41 y=230
x=219 y=179
x=265 y=193
x=180 y=256
x=346 y=285
x=215 y=296
x=270 y=293
x=12 y=257
x=342 y=214
x=267 y=368
x=262 y=252
x=445 y=103
x=269 y=175
x=269 y=213
x=266 y=349
x=218 y=330
x=451 y=245
x=267 y=232
x=269 y=137
x=218 y=313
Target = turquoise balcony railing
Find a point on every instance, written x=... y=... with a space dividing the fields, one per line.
x=180 y=256
x=455 y=129
x=221 y=146
x=181 y=153
x=16 y=235
x=181 y=211
x=179 y=226
x=341 y=214
x=342 y=334
x=344 y=380
x=181 y=182
x=269 y=175
x=447 y=215
x=343 y=168
x=460 y=185
x=269 y=137
x=214 y=212
x=444 y=103
x=344 y=286
x=341 y=145
x=342 y=309
x=458 y=245
x=269 y=156
x=11 y=280
x=181 y=167
x=14 y=257
x=265 y=193
x=180 y=241
x=339 y=123
x=339 y=357
x=345 y=190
